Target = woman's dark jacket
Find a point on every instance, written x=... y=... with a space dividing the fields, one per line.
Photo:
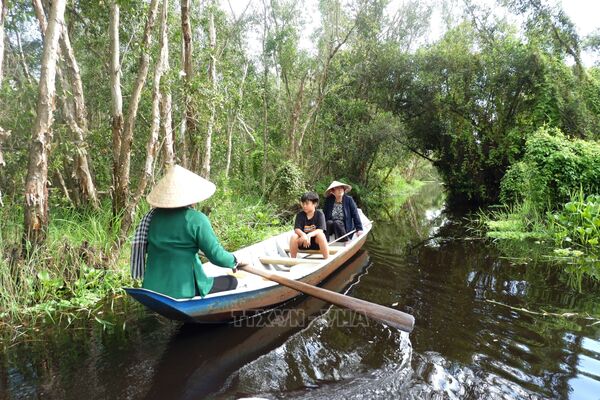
x=351 y=217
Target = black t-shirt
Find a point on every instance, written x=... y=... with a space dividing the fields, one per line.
x=308 y=225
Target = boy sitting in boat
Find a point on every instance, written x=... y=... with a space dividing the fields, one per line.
x=309 y=228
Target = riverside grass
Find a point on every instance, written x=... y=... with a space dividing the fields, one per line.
x=567 y=237
x=69 y=276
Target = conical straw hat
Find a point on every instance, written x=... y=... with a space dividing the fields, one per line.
x=179 y=188
x=335 y=184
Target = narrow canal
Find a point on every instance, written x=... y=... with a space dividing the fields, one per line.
x=479 y=333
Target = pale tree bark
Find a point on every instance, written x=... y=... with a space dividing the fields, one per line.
x=233 y=117
x=166 y=100
x=121 y=194
x=115 y=87
x=3 y=12
x=167 y=123
x=295 y=119
x=265 y=99
x=22 y=61
x=167 y=129
x=63 y=94
x=73 y=106
x=63 y=185
x=36 y=184
x=79 y=123
x=152 y=143
x=212 y=77
x=3 y=134
x=188 y=127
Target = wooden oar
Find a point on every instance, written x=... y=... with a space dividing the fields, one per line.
x=390 y=316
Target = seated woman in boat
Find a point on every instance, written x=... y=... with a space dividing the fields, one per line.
x=173 y=232
x=341 y=213
x=309 y=227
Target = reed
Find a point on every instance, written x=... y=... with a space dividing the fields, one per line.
x=567 y=237
x=69 y=276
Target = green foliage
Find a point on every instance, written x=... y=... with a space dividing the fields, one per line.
x=552 y=168
x=240 y=221
x=578 y=223
x=67 y=274
x=67 y=277
x=521 y=221
x=568 y=237
x=471 y=100
x=287 y=185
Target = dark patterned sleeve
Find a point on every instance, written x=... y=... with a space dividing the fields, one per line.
x=321 y=221
x=355 y=216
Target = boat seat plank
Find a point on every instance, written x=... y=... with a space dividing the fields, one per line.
x=331 y=251
x=288 y=261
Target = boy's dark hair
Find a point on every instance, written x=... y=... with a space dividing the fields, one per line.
x=310 y=196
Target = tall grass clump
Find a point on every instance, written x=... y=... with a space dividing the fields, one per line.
x=550 y=201
x=71 y=274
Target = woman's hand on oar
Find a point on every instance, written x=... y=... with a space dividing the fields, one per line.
x=390 y=316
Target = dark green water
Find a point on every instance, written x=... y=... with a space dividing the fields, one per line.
x=465 y=345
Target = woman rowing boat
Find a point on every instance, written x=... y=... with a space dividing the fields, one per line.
x=169 y=237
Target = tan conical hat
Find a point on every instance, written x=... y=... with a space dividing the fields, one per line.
x=335 y=184
x=179 y=188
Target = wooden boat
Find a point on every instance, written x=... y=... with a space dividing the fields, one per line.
x=253 y=292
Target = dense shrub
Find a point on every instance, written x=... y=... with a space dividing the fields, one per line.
x=553 y=167
x=287 y=186
x=578 y=223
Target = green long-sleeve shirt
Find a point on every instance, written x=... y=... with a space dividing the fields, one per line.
x=172 y=264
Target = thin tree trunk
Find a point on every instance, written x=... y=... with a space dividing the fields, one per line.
x=3 y=12
x=26 y=72
x=295 y=120
x=230 y=123
x=80 y=126
x=167 y=124
x=189 y=127
x=166 y=100
x=152 y=143
x=63 y=185
x=73 y=109
x=121 y=196
x=36 y=184
x=265 y=101
x=117 y=97
x=321 y=90
x=3 y=134
x=183 y=152
x=233 y=118
x=212 y=76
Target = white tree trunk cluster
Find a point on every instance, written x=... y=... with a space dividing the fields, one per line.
x=36 y=184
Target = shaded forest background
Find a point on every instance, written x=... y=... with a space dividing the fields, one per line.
x=136 y=86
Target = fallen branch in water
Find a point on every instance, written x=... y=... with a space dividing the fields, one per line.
x=549 y=314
